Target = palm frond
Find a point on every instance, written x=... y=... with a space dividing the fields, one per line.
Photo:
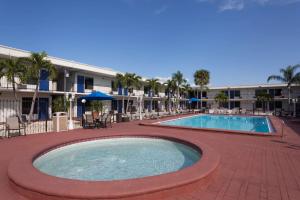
x=276 y=77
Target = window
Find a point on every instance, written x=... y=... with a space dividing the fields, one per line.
x=231 y=94
x=278 y=104
x=272 y=92
x=258 y=104
x=225 y=92
x=234 y=93
x=232 y=104
x=26 y=105
x=113 y=86
x=146 y=90
x=237 y=93
x=89 y=83
x=271 y=105
x=235 y=104
x=114 y=105
x=204 y=104
x=277 y=92
x=225 y=105
x=204 y=94
x=260 y=91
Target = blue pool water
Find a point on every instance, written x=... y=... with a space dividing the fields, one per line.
x=117 y=159
x=228 y=122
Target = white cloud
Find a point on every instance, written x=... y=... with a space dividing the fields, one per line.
x=161 y=10
x=276 y=2
x=202 y=1
x=162 y=79
x=237 y=5
x=262 y=2
x=232 y=5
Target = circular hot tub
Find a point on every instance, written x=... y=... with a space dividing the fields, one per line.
x=113 y=167
x=117 y=159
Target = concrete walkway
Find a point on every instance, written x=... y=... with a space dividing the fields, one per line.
x=251 y=167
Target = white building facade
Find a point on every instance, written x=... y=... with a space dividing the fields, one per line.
x=76 y=79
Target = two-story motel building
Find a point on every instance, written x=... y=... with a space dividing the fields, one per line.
x=77 y=79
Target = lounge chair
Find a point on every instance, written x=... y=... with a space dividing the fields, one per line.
x=13 y=124
x=235 y=111
x=89 y=121
x=106 y=120
x=243 y=111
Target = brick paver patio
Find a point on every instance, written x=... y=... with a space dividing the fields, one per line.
x=251 y=167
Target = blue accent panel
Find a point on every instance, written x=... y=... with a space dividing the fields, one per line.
x=126 y=91
x=80 y=108
x=43 y=108
x=80 y=84
x=120 y=90
x=44 y=80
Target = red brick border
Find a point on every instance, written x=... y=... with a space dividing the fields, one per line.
x=31 y=183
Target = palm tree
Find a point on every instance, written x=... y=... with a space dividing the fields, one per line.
x=201 y=78
x=36 y=63
x=221 y=98
x=179 y=81
x=13 y=69
x=131 y=81
x=185 y=90
x=170 y=87
x=264 y=97
x=127 y=81
x=154 y=86
x=60 y=104
x=288 y=76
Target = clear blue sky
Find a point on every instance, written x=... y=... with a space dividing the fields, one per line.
x=238 y=41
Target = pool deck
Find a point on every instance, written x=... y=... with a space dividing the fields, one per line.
x=251 y=167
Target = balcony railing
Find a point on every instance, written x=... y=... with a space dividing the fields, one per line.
x=4 y=84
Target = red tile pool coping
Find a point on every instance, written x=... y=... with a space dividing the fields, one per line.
x=275 y=126
x=48 y=187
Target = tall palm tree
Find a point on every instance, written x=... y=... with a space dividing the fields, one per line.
x=221 y=98
x=288 y=76
x=185 y=90
x=131 y=81
x=201 y=78
x=179 y=81
x=154 y=86
x=13 y=69
x=264 y=98
x=170 y=88
x=36 y=63
x=127 y=81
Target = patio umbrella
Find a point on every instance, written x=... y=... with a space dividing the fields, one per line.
x=96 y=95
x=193 y=100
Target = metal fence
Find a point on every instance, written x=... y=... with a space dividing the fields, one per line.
x=12 y=108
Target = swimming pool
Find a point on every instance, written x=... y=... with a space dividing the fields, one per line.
x=117 y=159
x=228 y=122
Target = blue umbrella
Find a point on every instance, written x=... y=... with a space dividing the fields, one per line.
x=96 y=95
x=193 y=100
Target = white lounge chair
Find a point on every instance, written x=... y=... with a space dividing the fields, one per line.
x=13 y=124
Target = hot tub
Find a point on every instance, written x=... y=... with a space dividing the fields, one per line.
x=123 y=167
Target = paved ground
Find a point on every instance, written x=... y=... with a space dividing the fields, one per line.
x=251 y=167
